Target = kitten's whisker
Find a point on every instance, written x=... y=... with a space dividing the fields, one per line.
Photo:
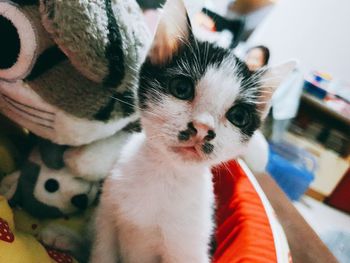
x=129 y=104
x=228 y=169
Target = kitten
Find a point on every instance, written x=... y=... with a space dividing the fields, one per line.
x=199 y=106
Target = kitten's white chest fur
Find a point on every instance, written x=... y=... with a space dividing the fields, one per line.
x=150 y=188
x=159 y=210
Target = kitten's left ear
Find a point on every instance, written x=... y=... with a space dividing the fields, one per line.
x=173 y=31
x=271 y=78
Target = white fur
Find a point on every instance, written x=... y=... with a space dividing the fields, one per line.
x=154 y=207
x=95 y=160
x=257 y=153
x=157 y=204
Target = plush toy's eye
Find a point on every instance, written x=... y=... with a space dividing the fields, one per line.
x=239 y=116
x=52 y=185
x=182 y=88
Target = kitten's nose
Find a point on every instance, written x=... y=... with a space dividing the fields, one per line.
x=204 y=125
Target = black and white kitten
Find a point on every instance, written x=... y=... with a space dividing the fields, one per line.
x=199 y=107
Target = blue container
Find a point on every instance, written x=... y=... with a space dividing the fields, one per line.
x=315 y=90
x=292 y=168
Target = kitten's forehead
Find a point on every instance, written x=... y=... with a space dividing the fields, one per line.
x=220 y=83
x=216 y=73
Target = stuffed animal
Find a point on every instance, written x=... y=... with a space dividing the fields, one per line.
x=47 y=189
x=17 y=246
x=63 y=233
x=44 y=195
x=69 y=74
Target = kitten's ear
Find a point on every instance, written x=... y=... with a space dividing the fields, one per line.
x=271 y=78
x=173 y=30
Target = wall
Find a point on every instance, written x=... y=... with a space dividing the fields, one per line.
x=316 y=32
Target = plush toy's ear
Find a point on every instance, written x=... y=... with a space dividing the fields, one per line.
x=173 y=31
x=104 y=40
x=9 y=185
x=52 y=154
x=270 y=79
x=17 y=185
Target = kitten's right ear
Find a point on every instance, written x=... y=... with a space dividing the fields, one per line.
x=173 y=31
x=270 y=79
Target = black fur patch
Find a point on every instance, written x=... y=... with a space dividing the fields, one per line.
x=183 y=136
x=186 y=134
x=133 y=127
x=150 y=4
x=207 y=148
x=114 y=51
x=200 y=56
x=211 y=135
x=213 y=243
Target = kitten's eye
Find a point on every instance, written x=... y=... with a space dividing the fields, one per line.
x=182 y=88
x=239 y=116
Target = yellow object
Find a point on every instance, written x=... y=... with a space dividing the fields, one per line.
x=33 y=226
x=17 y=246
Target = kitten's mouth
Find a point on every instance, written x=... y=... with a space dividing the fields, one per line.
x=188 y=152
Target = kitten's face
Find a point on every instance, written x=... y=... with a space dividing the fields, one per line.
x=198 y=102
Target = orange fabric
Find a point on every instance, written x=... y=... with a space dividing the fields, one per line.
x=244 y=233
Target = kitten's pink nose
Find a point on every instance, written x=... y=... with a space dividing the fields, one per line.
x=204 y=125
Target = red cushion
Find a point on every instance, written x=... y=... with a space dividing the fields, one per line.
x=244 y=233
